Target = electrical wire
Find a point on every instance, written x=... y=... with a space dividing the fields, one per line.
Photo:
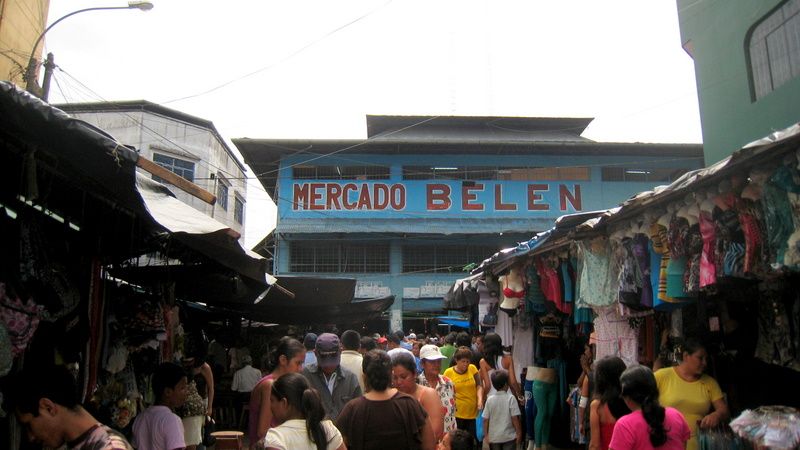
x=281 y=61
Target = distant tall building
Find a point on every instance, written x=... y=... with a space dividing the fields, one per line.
x=405 y=210
x=747 y=64
x=21 y=22
x=186 y=145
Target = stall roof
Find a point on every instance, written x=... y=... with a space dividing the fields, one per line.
x=567 y=228
x=92 y=161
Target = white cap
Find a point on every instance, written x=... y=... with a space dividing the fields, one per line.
x=430 y=352
x=411 y=336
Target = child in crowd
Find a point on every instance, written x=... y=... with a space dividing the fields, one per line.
x=158 y=427
x=501 y=425
x=457 y=440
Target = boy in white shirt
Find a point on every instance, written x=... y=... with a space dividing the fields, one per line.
x=158 y=427
x=501 y=424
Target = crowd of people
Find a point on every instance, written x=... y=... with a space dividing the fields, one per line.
x=387 y=392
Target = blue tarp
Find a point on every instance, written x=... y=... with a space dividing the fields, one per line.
x=454 y=321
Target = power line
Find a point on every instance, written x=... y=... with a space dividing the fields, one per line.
x=290 y=56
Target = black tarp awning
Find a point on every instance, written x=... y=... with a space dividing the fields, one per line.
x=83 y=160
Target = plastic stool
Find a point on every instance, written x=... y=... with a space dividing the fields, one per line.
x=229 y=440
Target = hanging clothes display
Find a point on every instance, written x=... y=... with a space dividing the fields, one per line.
x=615 y=337
x=599 y=274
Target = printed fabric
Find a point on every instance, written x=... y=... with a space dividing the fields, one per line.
x=447 y=395
x=750 y=217
x=641 y=253
x=194 y=405
x=776 y=323
x=694 y=250
x=708 y=270
x=21 y=319
x=630 y=278
x=598 y=277
x=615 y=336
x=778 y=217
x=100 y=437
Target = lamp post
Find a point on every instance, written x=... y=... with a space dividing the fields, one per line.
x=30 y=71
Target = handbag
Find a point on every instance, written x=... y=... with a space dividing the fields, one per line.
x=209 y=427
x=490 y=319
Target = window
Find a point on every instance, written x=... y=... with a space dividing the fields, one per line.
x=222 y=193
x=238 y=210
x=774 y=49
x=177 y=166
x=641 y=174
x=495 y=173
x=334 y=257
x=301 y=172
x=443 y=258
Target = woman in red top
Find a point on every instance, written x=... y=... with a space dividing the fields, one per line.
x=607 y=405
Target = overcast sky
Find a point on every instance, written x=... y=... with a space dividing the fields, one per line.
x=316 y=68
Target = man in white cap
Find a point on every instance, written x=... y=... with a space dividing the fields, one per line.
x=431 y=358
x=335 y=384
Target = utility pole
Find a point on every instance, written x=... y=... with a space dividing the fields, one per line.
x=49 y=65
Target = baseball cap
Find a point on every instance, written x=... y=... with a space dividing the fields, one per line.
x=328 y=350
x=430 y=352
x=411 y=336
x=381 y=340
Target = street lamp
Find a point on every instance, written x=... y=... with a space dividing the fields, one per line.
x=30 y=71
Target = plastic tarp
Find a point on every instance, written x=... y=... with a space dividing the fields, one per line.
x=95 y=162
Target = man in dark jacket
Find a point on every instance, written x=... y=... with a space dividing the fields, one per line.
x=335 y=384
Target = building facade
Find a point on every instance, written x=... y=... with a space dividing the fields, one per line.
x=186 y=145
x=747 y=64
x=407 y=209
x=21 y=22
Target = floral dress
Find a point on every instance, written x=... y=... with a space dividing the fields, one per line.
x=447 y=394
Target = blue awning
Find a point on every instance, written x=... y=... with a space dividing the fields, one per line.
x=454 y=321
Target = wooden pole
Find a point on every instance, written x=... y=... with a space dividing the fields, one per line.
x=176 y=180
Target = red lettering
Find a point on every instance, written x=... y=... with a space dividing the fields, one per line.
x=467 y=197
x=498 y=200
x=316 y=196
x=438 y=197
x=333 y=192
x=398 y=197
x=300 y=197
x=346 y=196
x=574 y=198
x=364 y=201
x=534 y=198
x=380 y=196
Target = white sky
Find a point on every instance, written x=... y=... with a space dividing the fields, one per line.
x=316 y=68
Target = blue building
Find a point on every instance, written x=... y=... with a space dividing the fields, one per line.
x=405 y=210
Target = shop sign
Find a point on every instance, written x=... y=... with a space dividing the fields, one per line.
x=436 y=197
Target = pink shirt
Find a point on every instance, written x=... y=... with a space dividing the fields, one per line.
x=632 y=432
x=158 y=428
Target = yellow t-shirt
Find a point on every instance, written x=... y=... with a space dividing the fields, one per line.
x=466 y=391
x=692 y=398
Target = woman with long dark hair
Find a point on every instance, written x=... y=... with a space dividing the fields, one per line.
x=494 y=358
x=298 y=408
x=287 y=357
x=650 y=425
x=607 y=405
x=384 y=418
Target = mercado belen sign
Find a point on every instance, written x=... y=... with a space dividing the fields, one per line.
x=436 y=196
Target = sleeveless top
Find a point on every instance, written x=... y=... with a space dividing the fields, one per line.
x=255 y=407
x=606 y=430
x=498 y=365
